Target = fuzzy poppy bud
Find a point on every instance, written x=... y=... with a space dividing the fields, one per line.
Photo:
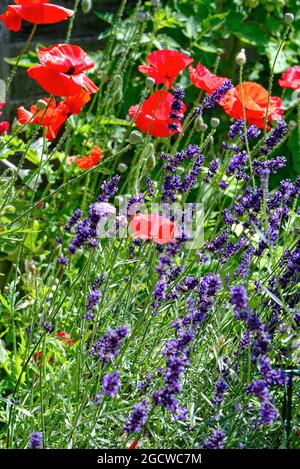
x=214 y=122
x=135 y=137
x=289 y=18
x=241 y=57
x=151 y=162
x=122 y=167
x=117 y=89
x=86 y=6
x=292 y=125
x=41 y=104
x=10 y=209
x=150 y=82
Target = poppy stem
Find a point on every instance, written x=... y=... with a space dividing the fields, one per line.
x=245 y=126
x=283 y=39
x=14 y=69
x=71 y=22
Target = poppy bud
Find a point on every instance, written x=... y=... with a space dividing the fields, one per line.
x=122 y=167
x=117 y=89
x=241 y=57
x=289 y=18
x=292 y=125
x=41 y=104
x=151 y=162
x=10 y=209
x=200 y=126
x=141 y=16
x=214 y=122
x=135 y=137
x=275 y=122
x=86 y=6
x=150 y=82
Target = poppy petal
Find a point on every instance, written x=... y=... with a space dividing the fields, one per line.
x=65 y=58
x=291 y=78
x=84 y=81
x=76 y=103
x=205 y=80
x=54 y=82
x=12 y=19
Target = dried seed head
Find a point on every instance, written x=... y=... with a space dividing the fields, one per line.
x=289 y=18
x=214 y=122
x=150 y=82
x=135 y=137
x=122 y=167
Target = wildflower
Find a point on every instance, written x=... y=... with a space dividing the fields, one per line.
x=274 y=138
x=37 y=356
x=93 y=300
x=65 y=338
x=91 y=160
x=153 y=116
x=111 y=384
x=4 y=127
x=133 y=445
x=150 y=187
x=215 y=440
x=35 y=440
x=62 y=260
x=221 y=387
x=107 y=347
x=73 y=220
x=255 y=101
x=176 y=108
x=216 y=96
x=165 y=65
x=138 y=417
x=291 y=78
x=55 y=115
x=33 y=11
x=153 y=226
x=241 y=57
x=48 y=326
x=239 y=298
x=205 y=80
x=61 y=70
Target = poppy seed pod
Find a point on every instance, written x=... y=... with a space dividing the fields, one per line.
x=86 y=6
x=200 y=126
x=135 y=137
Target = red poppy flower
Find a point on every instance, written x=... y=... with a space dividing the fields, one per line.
x=205 y=80
x=90 y=160
x=56 y=115
x=61 y=70
x=52 y=118
x=33 y=11
x=133 y=445
x=255 y=100
x=155 y=227
x=65 y=338
x=165 y=65
x=153 y=116
x=4 y=127
x=291 y=78
x=37 y=356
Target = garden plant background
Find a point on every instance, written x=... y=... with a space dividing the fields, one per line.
x=150 y=336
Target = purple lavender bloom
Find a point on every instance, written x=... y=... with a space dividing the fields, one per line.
x=134 y=203
x=236 y=129
x=215 y=440
x=150 y=187
x=62 y=261
x=73 y=220
x=243 y=269
x=213 y=99
x=251 y=132
x=268 y=413
x=48 y=326
x=59 y=239
x=223 y=184
x=111 y=384
x=274 y=137
x=213 y=167
x=176 y=108
x=35 y=440
x=221 y=387
x=109 y=188
x=107 y=347
x=93 y=300
x=237 y=164
x=239 y=298
x=138 y=417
